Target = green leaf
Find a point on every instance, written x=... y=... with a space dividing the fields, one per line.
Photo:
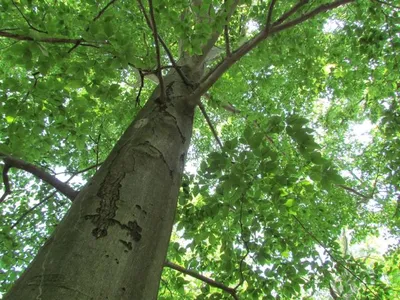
x=255 y=140
x=289 y=203
x=10 y=119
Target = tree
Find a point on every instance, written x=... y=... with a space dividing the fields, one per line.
x=285 y=82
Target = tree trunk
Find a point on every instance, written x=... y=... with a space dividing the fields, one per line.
x=113 y=241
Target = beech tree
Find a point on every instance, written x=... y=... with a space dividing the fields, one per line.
x=261 y=99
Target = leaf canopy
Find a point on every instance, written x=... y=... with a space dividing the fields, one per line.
x=266 y=213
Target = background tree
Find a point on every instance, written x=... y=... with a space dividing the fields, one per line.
x=283 y=87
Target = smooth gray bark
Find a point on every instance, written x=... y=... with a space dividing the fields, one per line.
x=112 y=243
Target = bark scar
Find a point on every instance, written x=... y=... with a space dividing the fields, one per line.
x=109 y=195
x=177 y=126
x=155 y=150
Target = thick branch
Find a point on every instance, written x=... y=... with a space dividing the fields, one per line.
x=60 y=186
x=269 y=16
x=227 y=43
x=222 y=67
x=207 y=280
x=211 y=42
x=226 y=36
x=155 y=34
x=214 y=132
x=6 y=181
x=52 y=40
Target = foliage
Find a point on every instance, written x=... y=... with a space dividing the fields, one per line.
x=264 y=213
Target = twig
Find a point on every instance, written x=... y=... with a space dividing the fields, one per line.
x=207 y=280
x=214 y=132
x=166 y=286
x=84 y=170
x=388 y=4
x=333 y=257
x=33 y=86
x=354 y=191
x=101 y=12
x=210 y=78
x=229 y=107
x=32 y=209
x=244 y=243
x=211 y=42
x=9 y=29
x=53 y=40
x=60 y=186
x=290 y=12
x=27 y=21
x=153 y=26
x=97 y=149
x=320 y=9
x=73 y=174
x=52 y=194
x=173 y=62
x=74 y=46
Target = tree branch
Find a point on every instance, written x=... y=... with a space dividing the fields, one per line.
x=52 y=40
x=166 y=49
x=140 y=88
x=209 y=79
x=227 y=43
x=101 y=12
x=6 y=181
x=23 y=216
x=60 y=186
x=388 y=4
x=214 y=132
x=320 y=9
x=25 y=18
x=269 y=16
x=245 y=243
x=207 y=280
x=226 y=35
x=153 y=26
x=173 y=62
x=211 y=42
x=52 y=194
x=354 y=191
x=289 y=13
x=229 y=107
x=331 y=255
